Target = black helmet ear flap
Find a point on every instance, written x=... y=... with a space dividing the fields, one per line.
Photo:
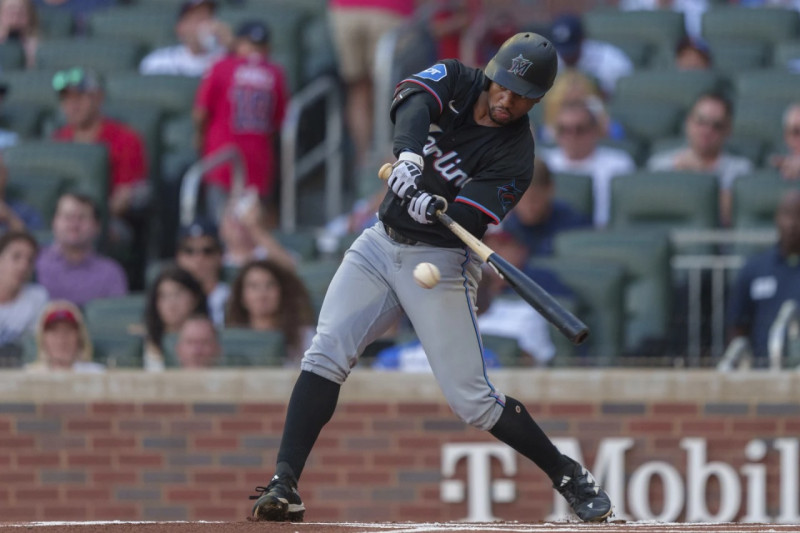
x=526 y=64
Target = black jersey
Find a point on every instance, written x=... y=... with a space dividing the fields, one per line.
x=485 y=168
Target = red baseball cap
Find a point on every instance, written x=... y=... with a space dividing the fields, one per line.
x=60 y=315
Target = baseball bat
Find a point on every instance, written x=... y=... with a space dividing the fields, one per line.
x=530 y=291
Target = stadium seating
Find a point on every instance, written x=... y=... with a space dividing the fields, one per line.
x=149 y=26
x=645 y=121
x=506 y=348
x=576 y=190
x=12 y=56
x=731 y=55
x=31 y=87
x=768 y=25
x=316 y=276
x=173 y=95
x=666 y=86
x=23 y=118
x=769 y=85
x=784 y=52
x=115 y=315
x=102 y=54
x=756 y=197
x=645 y=256
x=39 y=190
x=240 y=347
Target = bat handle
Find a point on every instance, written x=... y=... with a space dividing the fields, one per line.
x=385 y=171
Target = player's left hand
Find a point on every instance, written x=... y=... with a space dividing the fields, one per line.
x=423 y=206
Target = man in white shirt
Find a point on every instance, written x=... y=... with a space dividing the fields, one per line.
x=601 y=60
x=203 y=40
x=707 y=127
x=578 y=132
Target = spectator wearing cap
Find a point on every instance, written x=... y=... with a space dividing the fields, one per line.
x=601 y=60
x=198 y=343
x=241 y=103
x=203 y=40
x=21 y=301
x=19 y=23
x=81 y=96
x=70 y=268
x=200 y=254
x=62 y=341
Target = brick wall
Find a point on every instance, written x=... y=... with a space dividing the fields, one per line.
x=132 y=446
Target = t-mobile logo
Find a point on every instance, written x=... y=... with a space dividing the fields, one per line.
x=481 y=490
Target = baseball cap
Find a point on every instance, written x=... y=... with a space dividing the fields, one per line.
x=255 y=31
x=60 y=315
x=566 y=34
x=199 y=227
x=188 y=5
x=78 y=78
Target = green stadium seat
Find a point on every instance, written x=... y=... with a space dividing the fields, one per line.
x=173 y=95
x=599 y=287
x=646 y=257
x=784 y=52
x=756 y=197
x=245 y=347
x=763 y=24
x=302 y=243
x=117 y=350
x=101 y=54
x=660 y=28
x=39 y=190
x=634 y=147
x=31 y=87
x=744 y=145
x=645 y=121
x=576 y=190
x=638 y=51
x=731 y=55
x=177 y=133
x=84 y=165
x=320 y=53
x=316 y=276
x=54 y=23
x=23 y=118
x=664 y=200
x=770 y=85
x=758 y=119
x=12 y=57
x=506 y=348
x=150 y=26
x=115 y=315
x=666 y=86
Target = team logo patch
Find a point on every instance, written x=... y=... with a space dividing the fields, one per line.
x=507 y=195
x=519 y=66
x=435 y=73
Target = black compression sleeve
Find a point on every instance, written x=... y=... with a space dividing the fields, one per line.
x=470 y=218
x=411 y=122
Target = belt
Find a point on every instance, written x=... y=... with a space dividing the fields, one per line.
x=397 y=237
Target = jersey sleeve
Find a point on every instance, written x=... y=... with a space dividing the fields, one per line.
x=438 y=83
x=497 y=188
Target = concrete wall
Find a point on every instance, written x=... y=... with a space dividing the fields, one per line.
x=185 y=445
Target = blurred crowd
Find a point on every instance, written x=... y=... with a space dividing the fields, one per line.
x=194 y=288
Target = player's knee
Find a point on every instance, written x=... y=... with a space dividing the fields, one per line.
x=481 y=413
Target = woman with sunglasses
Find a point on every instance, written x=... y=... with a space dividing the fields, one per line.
x=200 y=254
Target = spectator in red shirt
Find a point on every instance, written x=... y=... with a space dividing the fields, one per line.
x=81 y=96
x=241 y=103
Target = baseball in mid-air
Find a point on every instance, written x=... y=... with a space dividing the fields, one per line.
x=427 y=275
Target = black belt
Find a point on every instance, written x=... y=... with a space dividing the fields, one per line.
x=397 y=237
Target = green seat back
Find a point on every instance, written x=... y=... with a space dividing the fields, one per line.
x=301 y=243
x=678 y=88
x=600 y=290
x=245 y=347
x=31 y=87
x=784 y=52
x=755 y=201
x=634 y=147
x=101 y=54
x=24 y=118
x=664 y=200
x=638 y=50
x=731 y=55
x=316 y=276
x=646 y=257
x=84 y=165
x=115 y=315
x=660 y=28
x=12 y=56
x=506 y=348
x=54 y=22
x=645 y=121
x=173 y=95
x=763 y=24
x=39 y=190
x=770 y=85
x=576 y=190
x=117 y=350
x=760 y=120
x=150 y=26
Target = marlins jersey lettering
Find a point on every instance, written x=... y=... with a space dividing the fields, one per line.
x=486 y=168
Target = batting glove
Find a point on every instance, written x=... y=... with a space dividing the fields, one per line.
x=403 y=180
x=423 y=206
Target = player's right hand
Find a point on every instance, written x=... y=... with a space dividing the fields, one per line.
x=405 y=172
x=423 y=207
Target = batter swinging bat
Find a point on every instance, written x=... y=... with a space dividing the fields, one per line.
x=567 y=323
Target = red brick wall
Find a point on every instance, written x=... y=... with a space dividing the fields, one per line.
x=374 y=461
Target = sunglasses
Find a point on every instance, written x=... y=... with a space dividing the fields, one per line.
x=68 y=78
x=579 y=129
x=716 y=125
x=794 y=131
x=201 y=250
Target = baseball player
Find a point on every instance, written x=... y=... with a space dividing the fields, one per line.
x=463 y=134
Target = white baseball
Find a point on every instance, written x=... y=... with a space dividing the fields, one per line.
x=427 y=275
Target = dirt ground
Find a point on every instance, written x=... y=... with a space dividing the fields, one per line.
x=388 y=527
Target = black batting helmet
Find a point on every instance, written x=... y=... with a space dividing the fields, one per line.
x=525 y=64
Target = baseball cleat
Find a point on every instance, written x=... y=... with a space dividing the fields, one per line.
x=588 y=501
x=279 y=501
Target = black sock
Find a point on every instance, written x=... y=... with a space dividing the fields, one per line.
x=312 y=404
x=517 y=429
